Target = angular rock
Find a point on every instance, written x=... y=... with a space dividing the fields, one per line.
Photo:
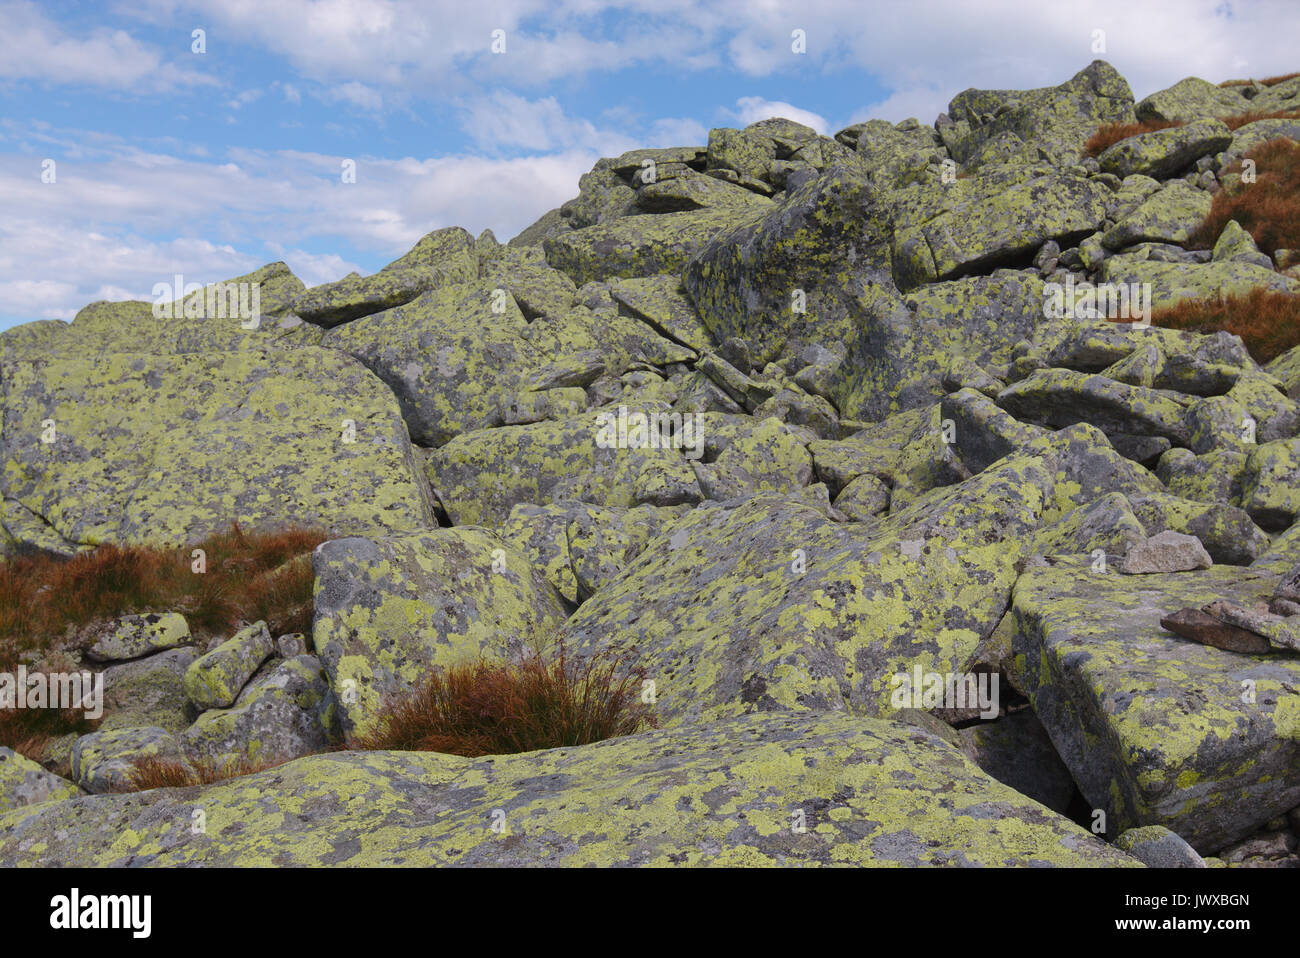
x=134 y=636
x=216 y=679
x=23 y=783
x=388 y=610
x=104 y=761
x=1166 y=552
x=1157 y=847
x=1165 y=153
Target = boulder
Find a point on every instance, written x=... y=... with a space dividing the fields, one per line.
x=23 y=783
x=388 y=610
x=216 y=679
x=1165 y=153
x=134 y=636
x=799 y=790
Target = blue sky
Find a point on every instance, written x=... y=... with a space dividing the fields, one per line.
x=211 y=164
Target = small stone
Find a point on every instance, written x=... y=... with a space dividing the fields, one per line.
x=1206 y=629
x=134 y=636
x=215 y=680
x=290 y=645
x=1158 y=847
x=1167 y=551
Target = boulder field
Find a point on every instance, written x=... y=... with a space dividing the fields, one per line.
x=795 y=426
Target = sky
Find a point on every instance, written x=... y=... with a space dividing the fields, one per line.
x=144 y=139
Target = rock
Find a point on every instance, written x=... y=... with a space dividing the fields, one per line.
x=149 y=691
x=23 y=783
x=134 y=636
x=1191 y=100
x=1236 y=245
x=388 y=610
x=1170 y=215
x=103 y=761
x=1062 y=397
x=288 y=646
x=1215 y=476
x=1156 y=730
x=983 y=433
x=1206 y=629
x=841 y=778
x=1281 y=632
x=168 y=450
x=1054 y=120
x=1166 y=552
x=215 y=680
x=644 y=244
x=1271 y=483
x=765 y=605
x=1106 y=524
x=1172 y=283
x=661 y=302
x=1225 y=531
x=1165 y=153
x=287 y=712
x=862 y=498
x=551 y=461
x=1158 y=847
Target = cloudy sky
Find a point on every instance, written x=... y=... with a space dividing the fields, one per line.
x=170 y=155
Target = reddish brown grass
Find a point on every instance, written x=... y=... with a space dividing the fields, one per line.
x=1269 y=81
x=29 y=730
x=497 y=708
x=1110 y=134
x=1237 y=122
x=154 y=772
x=1267 y=321
x=42 y=597
x=1268 y=209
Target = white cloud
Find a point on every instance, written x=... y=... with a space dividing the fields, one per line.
x=751 y=109
x=33 y=47
x=124 y=219
x=357 y=94
x=505 y=120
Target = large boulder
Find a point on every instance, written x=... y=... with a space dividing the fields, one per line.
x=169 y=449
x=1158 y=730
x=389 y=610
x=770 y=605
x=758 y=790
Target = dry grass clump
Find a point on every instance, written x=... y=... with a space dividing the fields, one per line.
x=154 y=772
x=1270 y=81
x=1268 y=209
x=1267 y=321
x=1110 y=134
x=499 y=708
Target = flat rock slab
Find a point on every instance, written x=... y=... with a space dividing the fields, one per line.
x=865 y=791
x=1154 y=727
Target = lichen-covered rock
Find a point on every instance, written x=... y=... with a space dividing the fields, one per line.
x=1165 y=153
x=1215 y=476
x=661 y=302
x=863 y=498
x=481 y=475
x=769 y=605
x=388 y=610
x=149 y=691
x=982 y=432
x=1193 y=99
x=1271 y=484
x=286 y=712
x=216 y=679
x=642 y=245
x=1106 y=524
x=758 y=790
x=170 y=449
x=1055 y=121
x=1225 y=531
x=1062 y=397
x=1157 y=730
x=104 y=761
x=1172 y=283
x=452 y=355
x=23 y=782
x=1158 y=847
x=133 y=636
x=1170 y=215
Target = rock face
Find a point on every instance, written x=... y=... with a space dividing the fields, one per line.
x=169 y=449
x=859 y=454
x=761 y=790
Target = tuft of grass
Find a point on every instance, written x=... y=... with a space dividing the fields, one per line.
x=1268 y=209
x=1267 y=321
x=28 y=731
x=154 y=772
x=1111 y=133
x=499 y=708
